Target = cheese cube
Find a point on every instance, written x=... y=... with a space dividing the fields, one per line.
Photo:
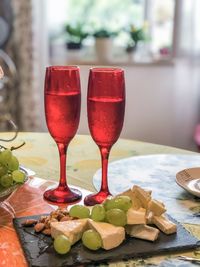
x=136 y=203
x=136 y=216
x=142 y=195
x=142 y=232
x=112 y=236
x=72 y=229
x=149 y=192
x=156 y=207
x=149 y=217
x=164 y=224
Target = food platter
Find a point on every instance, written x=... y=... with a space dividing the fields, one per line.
x=120 y=240
x=39 y=251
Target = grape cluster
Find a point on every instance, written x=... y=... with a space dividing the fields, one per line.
x=10 y=173
x=112 y=211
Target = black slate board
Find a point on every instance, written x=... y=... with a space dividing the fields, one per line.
x=40 y=253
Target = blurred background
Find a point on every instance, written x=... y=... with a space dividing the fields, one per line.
x=156 y=42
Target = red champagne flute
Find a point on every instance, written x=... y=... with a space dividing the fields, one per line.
x=62 y=111
x=105 y=107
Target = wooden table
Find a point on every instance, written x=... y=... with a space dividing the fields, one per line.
x=40 y=154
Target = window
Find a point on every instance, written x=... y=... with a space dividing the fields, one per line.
x=155 y=17
x=162 y=23
x=114 y=14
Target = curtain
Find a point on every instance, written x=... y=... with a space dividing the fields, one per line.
x=187 y=71
x=187 y=34
x=28 y=56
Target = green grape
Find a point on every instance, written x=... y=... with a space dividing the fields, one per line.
x=18 y=176
x=120 y=202
x=61 y=244
x=13 y=164
x=6 y=180
x=106 y=203
x=116 y=217
x=1 y=188
x=98 y=213
x=3 y=170
x=92 y=240
x=79 y=211
x=5 y=156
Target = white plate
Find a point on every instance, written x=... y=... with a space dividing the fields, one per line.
x=189 y=179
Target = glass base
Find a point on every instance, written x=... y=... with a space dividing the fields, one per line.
x=66 y=195
x=94 y=199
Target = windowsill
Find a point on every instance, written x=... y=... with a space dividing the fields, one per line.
x=85 y=57
x=120 y=63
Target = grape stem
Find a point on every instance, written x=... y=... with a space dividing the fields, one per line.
x=16 y=147
x=13 y=147
x=3 y=147
x=7 y=118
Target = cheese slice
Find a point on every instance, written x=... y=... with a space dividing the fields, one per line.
x=112 y=236
x=156 y=207
x=142 y=232
x=165 y=225
x=72 y=229
x=143 y=195
x=136 y=216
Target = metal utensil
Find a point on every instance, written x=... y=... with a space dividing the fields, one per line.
x=185 y=258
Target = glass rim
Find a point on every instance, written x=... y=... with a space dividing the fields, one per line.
x=106 y=69
x=62 y=68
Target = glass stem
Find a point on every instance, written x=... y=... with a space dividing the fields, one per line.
x=105 y=151
x=62 y=152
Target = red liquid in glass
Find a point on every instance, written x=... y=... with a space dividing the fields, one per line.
x=105 y=116
x=62 y=115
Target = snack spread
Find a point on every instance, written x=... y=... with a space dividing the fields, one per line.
x=133 y=212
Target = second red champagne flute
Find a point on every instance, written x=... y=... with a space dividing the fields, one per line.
x=62 y=111
x=106 y=107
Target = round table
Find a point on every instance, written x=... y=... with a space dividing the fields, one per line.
x=83 y=159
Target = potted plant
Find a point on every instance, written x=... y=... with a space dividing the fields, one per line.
x=136 y=35
x=75 y=35
x=103 y=44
